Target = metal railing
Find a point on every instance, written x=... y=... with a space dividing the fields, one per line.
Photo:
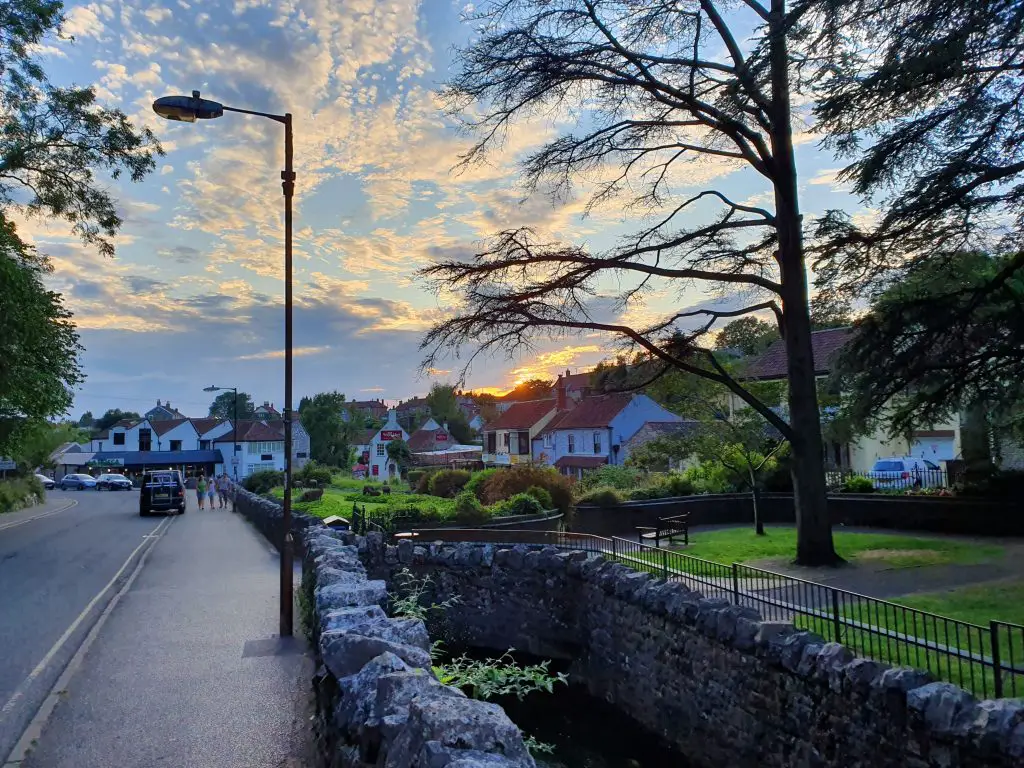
x=896 y=480
x=986 y=660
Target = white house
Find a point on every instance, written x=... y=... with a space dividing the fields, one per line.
x=508 y=438
x=125 y=435
x=261 y=446
x=163 y=412
x=175 y=435
x=375 y=450
x=595 y=431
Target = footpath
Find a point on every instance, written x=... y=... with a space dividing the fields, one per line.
x=185 y=668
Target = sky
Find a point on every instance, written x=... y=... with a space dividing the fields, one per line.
x=194 y=295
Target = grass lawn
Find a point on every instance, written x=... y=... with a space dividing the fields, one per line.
x=978 y=604
x=742 y=545
x=339 y=501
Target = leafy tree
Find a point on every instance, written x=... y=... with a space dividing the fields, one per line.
x=649 y=86
x=749 y=335
x=398 y=452
x=86 y=421
x=445 y=410
x=948 y=337
x=330 y=436
x=223 y=406
x=531 y=389
x=114 y=415
x=38 y=442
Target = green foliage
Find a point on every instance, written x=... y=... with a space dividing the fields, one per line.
x=609 y=476
x=490 y=678
x=748 y=335
x=542 y=495
x=37 y=442
x=223 y=406
x=520 y=504
x=18 y=492
x=448 y=482
x=709 y=477
x=114 y=415
x=315 y=472
x=423 y=484
x=602 y=497
x=263 y=481
x=398 y=452
x=413 y=476
x=678 y=484
x=410 y=595
x=330 y=437
x=1003 y=484
x=506 y=483
x=445 y=410
x=858 y=484
x=478 y=481
x=468 y=509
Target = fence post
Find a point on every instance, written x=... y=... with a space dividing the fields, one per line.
x=997 y=665
x=735 y=584
x=836 y=621
x=615 y=554
x=664 y=563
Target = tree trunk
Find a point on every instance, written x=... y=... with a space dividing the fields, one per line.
x=814 y=529
x=755 y=500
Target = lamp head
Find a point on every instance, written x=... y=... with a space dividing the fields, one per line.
x=187 y=109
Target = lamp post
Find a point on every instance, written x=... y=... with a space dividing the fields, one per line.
x=188 y=109
x=234 y=426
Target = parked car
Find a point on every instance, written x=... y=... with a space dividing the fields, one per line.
x=906 y=472
x=113 y=483
x=162 y=491
x=46 y=481
x=78 y=482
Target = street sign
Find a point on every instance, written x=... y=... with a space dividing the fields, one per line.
x=7 y=464
x=234 y=461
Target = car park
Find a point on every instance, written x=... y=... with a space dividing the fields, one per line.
x=46 y=481
x=162 y=491
x=76 y=481
x=113 y=483
x=906 y=472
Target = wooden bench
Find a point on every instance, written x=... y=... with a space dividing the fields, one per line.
x=667 y=528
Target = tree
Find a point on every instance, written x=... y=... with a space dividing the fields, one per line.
x=330 y=436
x=930 y=114
x=398 y=452
x=445 y=410
x=749 y=335
x=86 y=420
x=114 y=415
x=38 y=442
x=949 y=336
x=648 y=87
x=223 y=406
x=531 y=389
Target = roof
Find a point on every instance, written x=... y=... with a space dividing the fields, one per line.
x=591 y=412
x=522 y=415
x=583 y=462
x=259 y=432
x=126 y=423
x=652 y=430
x=825 y=344
x=150 y=458
x=205 y=425
x=411 y=403
x=576 y=381
x=367 y=436
x=166 y=425
x=425 y=439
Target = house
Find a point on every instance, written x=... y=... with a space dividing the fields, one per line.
x=431 y=437
x=508 y=439
x=577 y=386
x=163 y=412
x=266 y=412
x=374 y=409
x=261 y=446
x=595 y=430
x=412 y=412
x=375 y=450
x=125 y=435
x=936 y=443
x=175 y=435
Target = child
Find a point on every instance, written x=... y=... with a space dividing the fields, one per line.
x=201 y=490
x=211 y=489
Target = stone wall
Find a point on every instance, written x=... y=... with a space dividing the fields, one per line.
x=268 y=518
x=378 y=701
x=713 y=679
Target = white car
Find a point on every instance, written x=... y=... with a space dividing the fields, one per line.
x=906 y=473
x=46 y=481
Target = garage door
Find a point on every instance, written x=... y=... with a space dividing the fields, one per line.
x=933 y=449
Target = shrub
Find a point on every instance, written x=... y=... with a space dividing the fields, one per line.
x=779 y=480
x=423 y=484
x=648 y=492
x=413 y=476
x=261 y=482
x=314 y=472
x=478 y=480
x=448 y=482
x=857 y=484
x=998 y=484
x=622 y=478
x=17 y=493
x=542 y=496
x=709 y=477
x=468 y=509
x=602 y=497
x=678 y=484
x=520 y=504
x=506 y=483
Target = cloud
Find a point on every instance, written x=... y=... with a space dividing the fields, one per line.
x=372 y=389
x=278 y=354
x=85 y=21
x=166 y=169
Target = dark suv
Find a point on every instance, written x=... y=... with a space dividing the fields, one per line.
x=162 y=491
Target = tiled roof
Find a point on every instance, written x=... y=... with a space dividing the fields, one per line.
x=522 y=415
x=652 y=430
x=166 y=425
x=413 y=403
x=584 y=462
x=426 y=440
x=205 y=425
x=825 y=344
x=260 y=432
x=591 y=412
x=576 y=381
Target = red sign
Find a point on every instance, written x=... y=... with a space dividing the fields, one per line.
x=441 y=437
x=391 y=434
x=376 y=470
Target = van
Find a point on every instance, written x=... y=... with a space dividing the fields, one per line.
x=162 y=491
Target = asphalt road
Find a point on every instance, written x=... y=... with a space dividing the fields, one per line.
x=57 y=574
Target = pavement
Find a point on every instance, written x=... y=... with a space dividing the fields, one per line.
x=134 y=641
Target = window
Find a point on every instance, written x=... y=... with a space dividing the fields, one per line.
x=492 y=442
x=119 y=438
x=524 y=443
x=145 y=440
x=204 y=445
x=175 y=445
x=572 y=443
x=272 y=446
x=597 y=442
x=260 y=467
x=505 y=440
x=300 y=455
x=549 y=441
x=381 y=450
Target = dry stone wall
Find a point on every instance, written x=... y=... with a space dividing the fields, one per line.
x=712 y=679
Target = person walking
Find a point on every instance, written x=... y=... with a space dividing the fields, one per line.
x=224 y=486
x=201 y=490
x=211 y=489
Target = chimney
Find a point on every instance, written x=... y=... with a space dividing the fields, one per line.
x=567 y=374
x=158 y=402
x=560 y=393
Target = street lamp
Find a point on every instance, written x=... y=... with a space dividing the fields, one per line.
x=234 y=426
x=188 y=109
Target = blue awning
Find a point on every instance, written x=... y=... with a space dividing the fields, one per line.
x=156 y=458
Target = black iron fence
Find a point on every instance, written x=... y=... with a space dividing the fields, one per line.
x=986 y=660
x=896 y=480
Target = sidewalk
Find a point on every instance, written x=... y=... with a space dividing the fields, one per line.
x=185 y=672
x=52 y=506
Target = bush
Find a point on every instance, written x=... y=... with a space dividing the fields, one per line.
x=423 y=484
x=857 y=484
x=448 y=482
x=622 y=478
x=999 y=484
x=602 y=497
x=478 y=480
x=18 y=493
x=316 y=473
x=506 y=483
x=678 y=484
x=413 y=477
x=468 y=509
x=779 y=480
x=542 y=496
x=709 y=477
x=520 y=504
x=648 y=493
x=261 y=482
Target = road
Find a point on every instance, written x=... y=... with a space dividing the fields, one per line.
x=58 y=571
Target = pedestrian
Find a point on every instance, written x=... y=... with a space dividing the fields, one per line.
x=224 y=486
x=201 y=490
x=211 y=489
